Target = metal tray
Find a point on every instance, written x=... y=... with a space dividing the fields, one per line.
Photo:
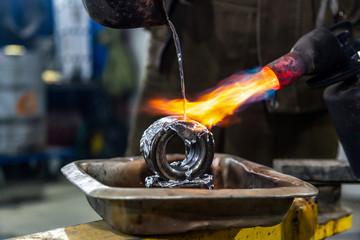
x=246 y=194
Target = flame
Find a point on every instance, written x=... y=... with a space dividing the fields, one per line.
x=214 y=106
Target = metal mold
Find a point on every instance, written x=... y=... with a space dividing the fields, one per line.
x=198 y=141
x=245 y=195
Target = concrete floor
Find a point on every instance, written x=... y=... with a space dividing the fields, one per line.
x=351 y=199
x=35 y=207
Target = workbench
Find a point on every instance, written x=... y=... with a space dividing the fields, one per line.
x=300 y=224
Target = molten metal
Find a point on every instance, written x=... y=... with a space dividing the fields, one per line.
x=213 y=107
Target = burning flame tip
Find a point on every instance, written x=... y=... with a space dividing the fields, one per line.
x=213 y=107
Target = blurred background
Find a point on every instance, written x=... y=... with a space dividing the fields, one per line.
x=67 y=87
x=66 y=90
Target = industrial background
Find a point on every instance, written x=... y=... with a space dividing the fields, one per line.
x=68 y=89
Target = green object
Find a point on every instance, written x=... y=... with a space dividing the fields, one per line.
x=119 y=76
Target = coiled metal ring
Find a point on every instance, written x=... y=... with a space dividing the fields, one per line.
x=198 y=141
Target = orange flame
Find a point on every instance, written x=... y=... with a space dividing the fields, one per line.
x=213 y=107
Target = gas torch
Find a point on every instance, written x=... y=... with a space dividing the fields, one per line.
x=321 y=52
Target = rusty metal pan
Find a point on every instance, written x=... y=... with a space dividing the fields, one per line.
x=246 y=194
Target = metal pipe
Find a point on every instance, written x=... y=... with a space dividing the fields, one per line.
x=317 y=52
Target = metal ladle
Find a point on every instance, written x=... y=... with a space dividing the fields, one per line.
x=126 y=13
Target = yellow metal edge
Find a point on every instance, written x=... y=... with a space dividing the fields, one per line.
x=269 y=233
x=333 y=227
x=300 y=224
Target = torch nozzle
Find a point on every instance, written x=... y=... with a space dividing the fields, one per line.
x=316 y=52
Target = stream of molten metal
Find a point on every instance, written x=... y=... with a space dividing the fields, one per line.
x=215 y=105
